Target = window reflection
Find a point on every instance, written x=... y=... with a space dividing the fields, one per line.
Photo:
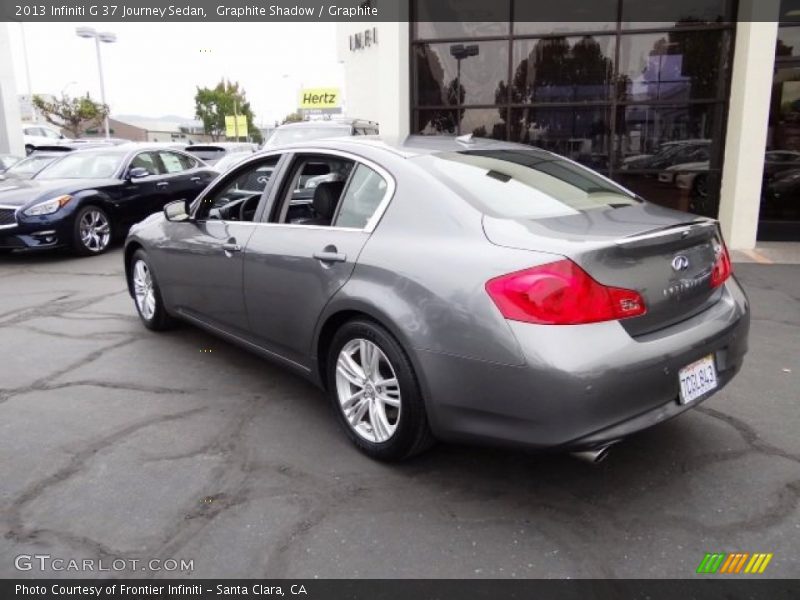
x=453 y=74
x=581 y=134
x=480 y=122
x=674 y=13
x=674 y=66
x=645 y=107
x=563 y=69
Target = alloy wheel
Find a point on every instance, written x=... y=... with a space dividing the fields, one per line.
x=95 y=230
x=143 y=290
x=368 y=391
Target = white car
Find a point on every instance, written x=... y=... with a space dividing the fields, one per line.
x=39 y=134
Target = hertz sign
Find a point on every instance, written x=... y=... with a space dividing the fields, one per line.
x=320 y=101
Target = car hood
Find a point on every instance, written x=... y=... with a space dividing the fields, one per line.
x=20 y=192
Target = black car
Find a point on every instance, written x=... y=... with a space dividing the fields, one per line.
x=84 y=199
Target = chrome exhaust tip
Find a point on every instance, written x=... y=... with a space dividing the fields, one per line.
x=594 y=456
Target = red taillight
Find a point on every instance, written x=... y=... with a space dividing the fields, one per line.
x=561 y=293
x=722 y=266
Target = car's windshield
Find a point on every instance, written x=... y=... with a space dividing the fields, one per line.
x=27 y=168
x=524 y=184
x=84 y=165
x=290 y=135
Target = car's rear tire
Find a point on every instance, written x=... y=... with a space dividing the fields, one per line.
x=92 y=231
x=147 y=295
x=375 y=393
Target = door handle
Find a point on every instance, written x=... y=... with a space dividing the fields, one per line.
x=330 y=257
x=162 y=184
x=231 y=247
x=196 y=179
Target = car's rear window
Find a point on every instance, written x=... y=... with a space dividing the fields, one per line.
x=207 y=152
x=525 y=184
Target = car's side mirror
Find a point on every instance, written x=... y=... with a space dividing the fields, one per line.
x=177 y=211
x=138 y=173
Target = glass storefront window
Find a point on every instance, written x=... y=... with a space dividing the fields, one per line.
x=663 y=14
x=455 y=74
x=582 y=134
x=438 y=19
x=563 y=69
x=481 y=122
x=636 y=89
x=545 y=18
x=673 y=66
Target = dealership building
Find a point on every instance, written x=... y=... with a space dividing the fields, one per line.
x=698 y=111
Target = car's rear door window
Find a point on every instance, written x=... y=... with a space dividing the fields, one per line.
x=364 y=194
x=149 y=161
x=526 y=184
x=172 y=162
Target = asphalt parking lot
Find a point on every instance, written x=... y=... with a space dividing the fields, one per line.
x=120 y=443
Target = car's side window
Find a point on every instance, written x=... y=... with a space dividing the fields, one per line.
x=361 y=199
x=146 y=160
x=171 y=161
x=188 y=162
x=236 y=197
x=315 y=186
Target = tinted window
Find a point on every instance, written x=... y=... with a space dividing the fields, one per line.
x=525 y=184
x=172 y=162
x=146 y=160
x=364 y=194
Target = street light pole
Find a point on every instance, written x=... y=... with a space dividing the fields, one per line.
x=102 y=83
x=108 y=38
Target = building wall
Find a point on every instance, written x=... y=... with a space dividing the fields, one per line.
x=377 y=76
x=10 y=131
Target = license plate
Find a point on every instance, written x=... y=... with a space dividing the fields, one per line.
x=697 y=379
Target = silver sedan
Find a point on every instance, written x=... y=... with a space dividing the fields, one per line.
x=451 y=289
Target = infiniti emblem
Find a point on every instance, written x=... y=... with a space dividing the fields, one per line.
x=680 y=263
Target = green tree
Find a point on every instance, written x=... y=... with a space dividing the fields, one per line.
x=74 y=115
x=292 y=118
x=212 y=105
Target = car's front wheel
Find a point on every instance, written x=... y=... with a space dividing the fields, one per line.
x=147 y=295
x=375 y=392
x=92 y=231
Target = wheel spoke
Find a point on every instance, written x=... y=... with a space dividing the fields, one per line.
x=350 y=370
x=395 y=402
x=352 y=400
x=357 y=413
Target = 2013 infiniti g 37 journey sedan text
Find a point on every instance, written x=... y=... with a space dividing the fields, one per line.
x=452 y=290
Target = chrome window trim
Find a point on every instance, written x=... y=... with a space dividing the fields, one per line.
x=16 y=209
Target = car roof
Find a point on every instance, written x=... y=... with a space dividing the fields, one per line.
x=410 y=147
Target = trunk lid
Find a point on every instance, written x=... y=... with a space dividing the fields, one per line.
x=665 y=255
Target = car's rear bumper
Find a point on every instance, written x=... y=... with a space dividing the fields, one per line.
x=581 y=386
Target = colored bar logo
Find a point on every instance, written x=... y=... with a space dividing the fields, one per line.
x=734 y=563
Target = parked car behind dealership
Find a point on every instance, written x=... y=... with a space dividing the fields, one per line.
x=38 y=134
x=291 y=133
x=86 y=197
x=211 y=153
x=453 y=290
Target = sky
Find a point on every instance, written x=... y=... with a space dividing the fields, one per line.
x=153 y=68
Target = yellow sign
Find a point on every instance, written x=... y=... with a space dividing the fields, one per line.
x=231 y=125
x=319 y=98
